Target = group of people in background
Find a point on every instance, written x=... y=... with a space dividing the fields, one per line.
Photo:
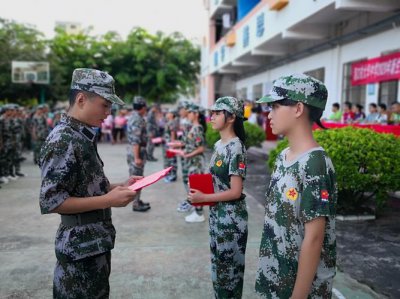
x=22 y=129
x=354 y=113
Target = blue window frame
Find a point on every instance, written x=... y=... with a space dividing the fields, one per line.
x=260 y=25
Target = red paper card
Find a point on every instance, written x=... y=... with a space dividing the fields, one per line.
x=157 y=140
x=170 y=153
x=150 y=179
x=174 y=144
x=204 y=183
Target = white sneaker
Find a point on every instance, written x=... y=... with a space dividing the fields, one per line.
x=194 y=217
x=12 y=178
x=4 y=180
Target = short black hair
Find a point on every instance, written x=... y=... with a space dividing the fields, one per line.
x=74 y=92
x=373 y=105
x=383 y=106
x=348 y=104
x=336 y=105
x=138 y=107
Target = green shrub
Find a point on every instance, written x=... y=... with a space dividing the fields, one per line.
x=366 y=162
x=254 y=135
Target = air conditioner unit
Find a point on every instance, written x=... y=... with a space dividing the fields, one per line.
x=30 y=76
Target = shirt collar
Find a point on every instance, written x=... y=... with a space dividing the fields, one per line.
x=79 y=126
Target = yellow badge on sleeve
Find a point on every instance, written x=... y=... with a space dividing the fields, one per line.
x=219 y=163
x=292 y=194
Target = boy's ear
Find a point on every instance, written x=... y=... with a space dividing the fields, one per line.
x=300 y=109
x=80 y=99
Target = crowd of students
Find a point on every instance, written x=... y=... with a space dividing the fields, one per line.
x=297 y=255
x=354 y=113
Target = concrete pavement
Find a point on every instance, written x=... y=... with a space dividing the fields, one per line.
x=156 y=255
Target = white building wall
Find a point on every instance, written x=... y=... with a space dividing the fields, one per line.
x=333 y=61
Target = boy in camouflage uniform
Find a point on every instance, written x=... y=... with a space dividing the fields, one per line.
x=152 y=129
x=75 y=186
x=228 y=218
x=298 y=245
x=40 y=131
x=136 y=150
x=170 y=134
x=185 y=126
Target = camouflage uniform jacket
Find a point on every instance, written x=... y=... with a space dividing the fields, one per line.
x=137 y=133
x=151 y=123
x=171 y=126
x=8 y=137
x=71 y=167
x=1 y=132
x=194 y=140
x=300 y=191
x=185 y=126
x=39 y=125
x=227 y=160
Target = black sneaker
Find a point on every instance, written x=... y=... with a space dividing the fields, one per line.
x=140 y=208
x=141 y=203
x=20 y=174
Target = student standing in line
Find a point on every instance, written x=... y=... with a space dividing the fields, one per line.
x=298 y=245
x=228 y=218
x=74 y=185
x=194 y=152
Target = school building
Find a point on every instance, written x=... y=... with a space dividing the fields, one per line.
x=353 y=46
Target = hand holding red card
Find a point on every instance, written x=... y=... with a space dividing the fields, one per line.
x=204 y=183
x=170 y=153
x=157 y=140
x=150 y=179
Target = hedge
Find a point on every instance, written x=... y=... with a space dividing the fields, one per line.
x=367 y=165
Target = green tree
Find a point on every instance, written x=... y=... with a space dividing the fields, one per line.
x=18 y=42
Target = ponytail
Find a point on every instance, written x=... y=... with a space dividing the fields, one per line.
x=238 y=126
x=203 y=123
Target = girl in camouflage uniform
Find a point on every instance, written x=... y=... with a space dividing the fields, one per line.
x=228 y=218
x=298 y=245
x=194 y=149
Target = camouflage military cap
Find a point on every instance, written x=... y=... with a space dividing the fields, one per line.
x=173 y=111
x=8 y=107
x=139 y=100
x=230 y=104
x=299 y=88
x=97 y=82
x=183 y=104
x=193 y=107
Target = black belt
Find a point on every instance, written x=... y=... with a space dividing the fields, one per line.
x=86 y=218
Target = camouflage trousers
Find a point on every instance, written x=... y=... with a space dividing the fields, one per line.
x=150 y=149
x=135 y=169
x=170 y=162
x=185 y=175
x=228 y=240
x=86 y=278
x=3 y=163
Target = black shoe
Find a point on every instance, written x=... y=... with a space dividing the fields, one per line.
x=152 y=159
x=141 y=208
x=141 y=203
x=20 y=174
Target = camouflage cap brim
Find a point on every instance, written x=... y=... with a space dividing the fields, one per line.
x=114 y=99
x=269 y=99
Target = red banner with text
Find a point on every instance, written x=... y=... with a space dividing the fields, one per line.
x=375 y=70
